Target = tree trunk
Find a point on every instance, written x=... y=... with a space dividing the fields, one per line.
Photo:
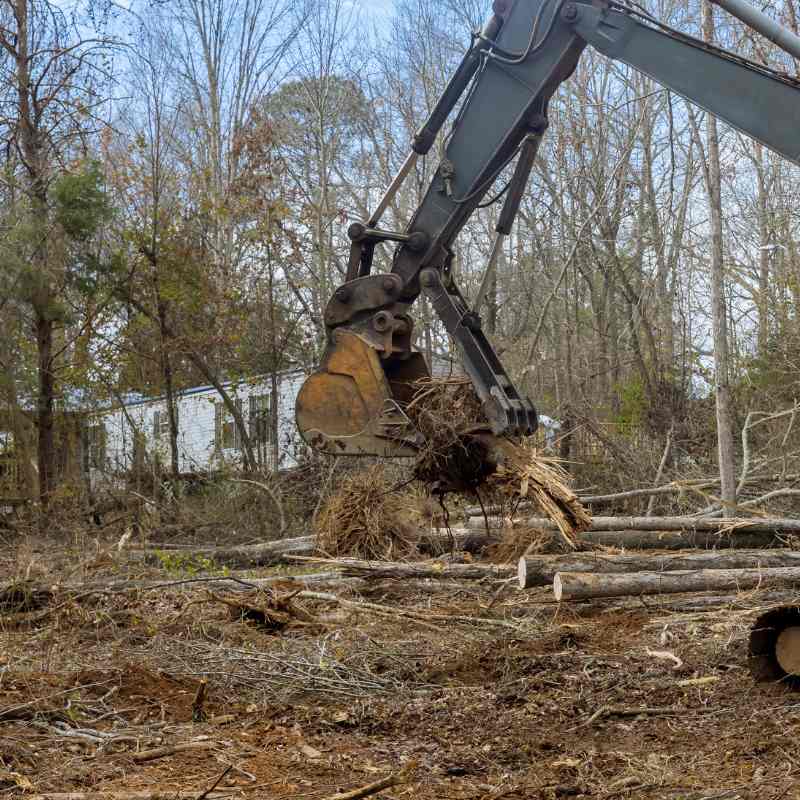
x=725 y=446
x=30 y=144
x=540 y=570
x=683 y=540
x=45 y=421
x=276 y=552
x=169 y=389
x=764 y=253
x=722 y=526
x=586 y=585
x=404 y=571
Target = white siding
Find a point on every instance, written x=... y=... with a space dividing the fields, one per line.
x=197 y=428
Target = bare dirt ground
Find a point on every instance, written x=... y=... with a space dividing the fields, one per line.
x=527 y=700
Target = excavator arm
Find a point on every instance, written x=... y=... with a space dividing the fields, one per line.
x=354 y=403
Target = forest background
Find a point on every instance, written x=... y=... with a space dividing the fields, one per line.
x=177 y=180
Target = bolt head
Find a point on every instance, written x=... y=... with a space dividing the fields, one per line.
x=427 y=278
x=388 y=286
x=381 y=321
x=570 y=12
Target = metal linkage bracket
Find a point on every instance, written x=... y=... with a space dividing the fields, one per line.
x=364 y=239
x=506 y=410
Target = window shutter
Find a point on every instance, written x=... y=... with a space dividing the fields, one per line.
x=218 y=410
x=252 y=420
x=156 y=424
x=237 y=433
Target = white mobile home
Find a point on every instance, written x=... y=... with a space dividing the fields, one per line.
x=125 y=437
x=118 y=439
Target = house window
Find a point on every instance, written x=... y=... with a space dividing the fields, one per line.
x=161 y=424
x=226 y=432
x=260 y=419
x=96 y=446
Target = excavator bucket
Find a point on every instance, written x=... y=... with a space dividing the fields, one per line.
x=353 y=405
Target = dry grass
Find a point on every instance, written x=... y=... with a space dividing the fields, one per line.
x=366 y=519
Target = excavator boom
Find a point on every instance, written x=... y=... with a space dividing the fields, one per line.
x=354 y=403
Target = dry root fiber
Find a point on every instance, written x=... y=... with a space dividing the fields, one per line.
x=525 y=540
x=461 y=456
x=365 y=519
x=455 y=458
x=524 y=474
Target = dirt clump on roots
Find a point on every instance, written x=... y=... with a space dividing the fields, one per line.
x=455 y=457
x=461 y=455
x=368 y=520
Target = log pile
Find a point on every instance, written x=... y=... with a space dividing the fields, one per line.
x=542 y=570
x=663 y=524
x=725 y=555
x=589 y=576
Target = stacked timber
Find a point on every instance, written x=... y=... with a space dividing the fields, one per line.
x=542 y=570
x=668 y=533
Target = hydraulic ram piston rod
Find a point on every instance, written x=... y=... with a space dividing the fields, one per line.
x=764 y=24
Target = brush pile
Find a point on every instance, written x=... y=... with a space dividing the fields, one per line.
x=269 y=610
x=462 y=456
x=366 y=519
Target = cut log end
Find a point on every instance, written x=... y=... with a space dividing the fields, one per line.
x=522 y=573
x=774 y=646
x=787 y=650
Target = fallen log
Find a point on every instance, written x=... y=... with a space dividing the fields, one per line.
x=269 y=553
x=257 y=555
x=587 y=585
x=541 y=570
x=377 y=570
x=170 y=750
x=681 y=540
x=722 y=525
x=369 y=790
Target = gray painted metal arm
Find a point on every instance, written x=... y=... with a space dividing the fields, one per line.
x=764 y=24
x=507 y=101
x=759 y=104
